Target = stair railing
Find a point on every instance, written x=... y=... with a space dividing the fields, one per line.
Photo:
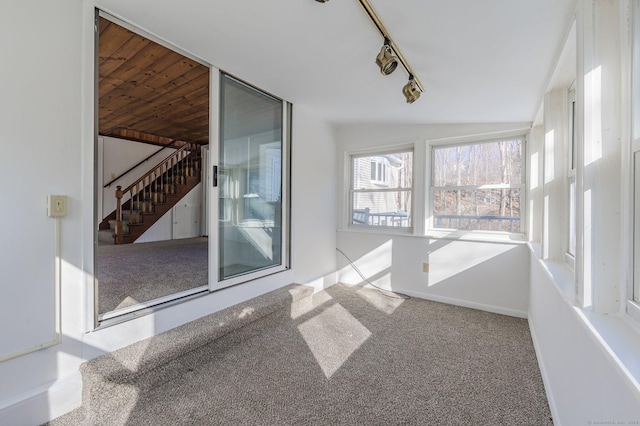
x=157 y=182
x=108 y=184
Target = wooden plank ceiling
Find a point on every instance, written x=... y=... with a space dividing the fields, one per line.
x=148 y=92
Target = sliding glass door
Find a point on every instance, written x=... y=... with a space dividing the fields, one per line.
x=252 y=183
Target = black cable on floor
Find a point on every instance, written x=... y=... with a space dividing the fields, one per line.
x=381 y=290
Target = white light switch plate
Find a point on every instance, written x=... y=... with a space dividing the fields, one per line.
x=57 y=205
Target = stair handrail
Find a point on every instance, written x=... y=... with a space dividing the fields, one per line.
x=133 y=167
x=173 y=163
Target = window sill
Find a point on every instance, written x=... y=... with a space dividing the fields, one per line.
x=562 y=275
x=473 y=236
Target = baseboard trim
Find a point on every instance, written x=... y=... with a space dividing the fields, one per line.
x=466 y=304
x=555 y=414
x=43 y=403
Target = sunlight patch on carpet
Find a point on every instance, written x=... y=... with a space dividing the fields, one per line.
x=387 y=302
x=308 y=304
x=246 y=312
x=332 y=336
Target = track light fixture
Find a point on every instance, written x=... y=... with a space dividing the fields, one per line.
x=411 y=90
x=386 y=60
x=390 y=55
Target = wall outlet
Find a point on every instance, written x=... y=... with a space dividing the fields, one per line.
x=57 y=205
x=425 y=266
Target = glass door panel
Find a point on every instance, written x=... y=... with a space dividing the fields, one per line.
x=250 y=182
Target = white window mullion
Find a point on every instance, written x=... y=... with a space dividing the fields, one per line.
x=571 y=179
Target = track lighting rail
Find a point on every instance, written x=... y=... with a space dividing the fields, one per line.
x=390 y=55
x=375 y=20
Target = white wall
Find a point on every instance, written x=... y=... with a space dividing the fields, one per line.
x=41 y=115
x=483 y=275
x=314 y=200
x=47 y=121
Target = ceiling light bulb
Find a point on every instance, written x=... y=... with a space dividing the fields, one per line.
x=411 y=91
x=386 y=60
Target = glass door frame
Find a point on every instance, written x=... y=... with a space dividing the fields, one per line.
x=215 y=280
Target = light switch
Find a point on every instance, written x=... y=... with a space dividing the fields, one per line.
x=57 y=205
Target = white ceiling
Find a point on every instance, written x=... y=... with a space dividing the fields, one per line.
x=479 y=61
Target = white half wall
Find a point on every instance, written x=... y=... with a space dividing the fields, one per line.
x=480 y=275
x=584 y=379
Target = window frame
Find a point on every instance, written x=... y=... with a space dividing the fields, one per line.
x=572 y=159
x=633 y=292
x=635 y=170
x=383 y=187
x=473 y=234
x=218 y=282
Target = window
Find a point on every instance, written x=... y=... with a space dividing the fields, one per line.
x=478 y=186
x=381 y=190
x=379 y=171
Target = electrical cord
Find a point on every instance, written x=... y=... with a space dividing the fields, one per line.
x=381 y=290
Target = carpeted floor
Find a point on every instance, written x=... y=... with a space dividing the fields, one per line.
x=132 y=273
x=351 y=356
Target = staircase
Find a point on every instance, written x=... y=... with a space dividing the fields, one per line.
x=146 y=200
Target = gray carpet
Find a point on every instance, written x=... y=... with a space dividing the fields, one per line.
x=350 y=356
x=129 y=274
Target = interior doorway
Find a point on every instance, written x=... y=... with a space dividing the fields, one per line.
x=153 y=122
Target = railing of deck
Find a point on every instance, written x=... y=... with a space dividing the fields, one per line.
x=483 y=223
x=445 y=221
